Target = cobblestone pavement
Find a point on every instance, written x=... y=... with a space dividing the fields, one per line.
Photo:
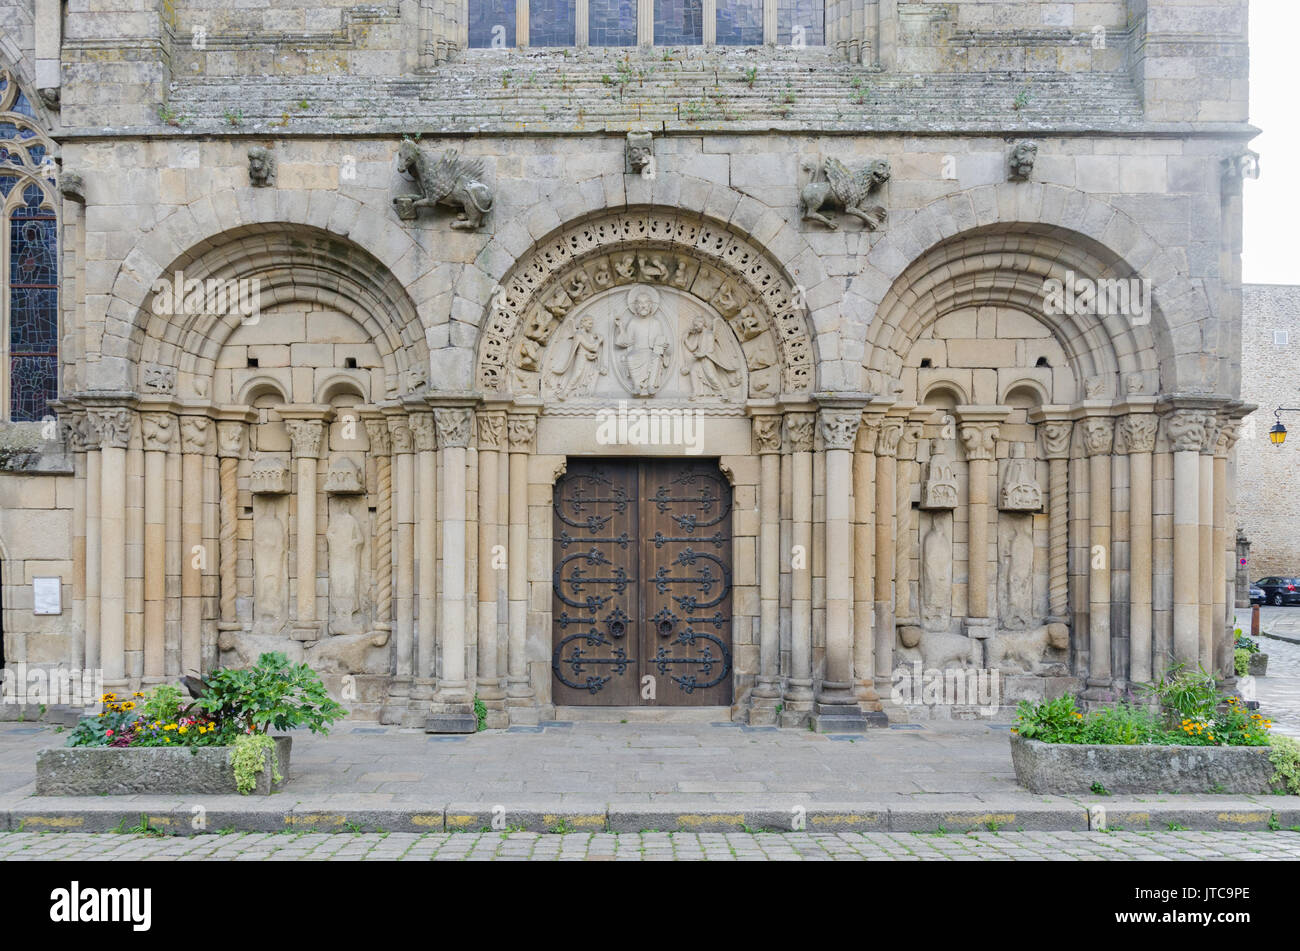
x=1278 y=691
x=528 y=846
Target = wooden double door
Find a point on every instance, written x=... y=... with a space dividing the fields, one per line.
x=641 y=601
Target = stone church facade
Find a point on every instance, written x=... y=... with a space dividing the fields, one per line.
x=732 y=353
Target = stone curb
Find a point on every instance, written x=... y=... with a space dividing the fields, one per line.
x=1279 y=637
x=344 y=814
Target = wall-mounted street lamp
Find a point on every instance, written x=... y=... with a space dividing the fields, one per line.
x=1277 y=435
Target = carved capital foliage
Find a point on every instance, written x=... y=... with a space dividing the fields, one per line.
x=767 y=434
x=521 y=430
x=839 y=428
x=231 y=442
x=1056 y=438
x=423 y=433
x=891 y=431
x=1098 y=435
x=380 y=443
x=399 y=430
x=113 y=427
x=306 y=437
x=1186 y=429
x=799 y=432
x=491 y=430
x=158 y=431
x=195 y=432
x=453 y=427
x=980 y=439
x=1136 y=433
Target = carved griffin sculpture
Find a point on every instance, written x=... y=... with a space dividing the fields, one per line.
x=451 y=181
x=848 y=189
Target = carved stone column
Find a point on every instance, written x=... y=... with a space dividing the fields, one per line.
x=521 y=432
x=1242 y=584
x=979 y=434
x=1138 y=437
x=1056 y=450
x=891 y=432
x=1098 y=441
x=1205 y=535
x=1221 y=628
x=864 y=563
x=133 y=603
x=767 y=690
x=305 y=433
x=382 y=553
x=73 y=428
x=89 y=437
x=232 y=445
x=798 y=694
x=196 y=435
x=158 y=436
x=403 y=470
x=837 y=709
x=452 y=710
x=904 y=476
x=1186 y=430
x=491 y=440
x=114 y=428
x=425 y=438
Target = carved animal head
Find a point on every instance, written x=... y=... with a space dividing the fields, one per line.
x=878 y=172
x=408 y=156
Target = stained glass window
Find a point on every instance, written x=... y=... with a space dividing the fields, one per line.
x=800 y=23
x=551 y=23
x=30 y=259
x=679 y=22
x=492 y=24
x=611 y=22
x=740 y=22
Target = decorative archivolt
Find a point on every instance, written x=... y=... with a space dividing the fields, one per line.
x=683 y=254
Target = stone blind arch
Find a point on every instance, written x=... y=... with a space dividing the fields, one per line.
x=671 y=247
x=960 y=251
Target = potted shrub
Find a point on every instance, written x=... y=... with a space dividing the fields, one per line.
x=1190 y=739
x=218 y=743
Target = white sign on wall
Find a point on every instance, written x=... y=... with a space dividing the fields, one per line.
x=47 y=595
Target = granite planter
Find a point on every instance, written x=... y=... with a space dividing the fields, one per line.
x=100 y=770
x=1071 y=768
x=1258 y=664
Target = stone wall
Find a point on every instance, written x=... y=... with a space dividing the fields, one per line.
x=1268 y=474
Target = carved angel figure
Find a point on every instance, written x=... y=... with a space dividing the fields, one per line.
x=578 y=361
x=451 y=181
x=714 y=371
x=848 y=189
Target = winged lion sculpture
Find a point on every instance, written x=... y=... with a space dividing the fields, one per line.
x=848 y=189
x=451 y=181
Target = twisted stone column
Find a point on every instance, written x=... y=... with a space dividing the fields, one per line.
x=231 y=447
x=1138 y=436
x=403 y=473
x=864 y=550
x=1098 y=441
x=382 y=553
x=1056 y=450
x=491 y=439
x=305 y=434
x=1186 y=429
x=521 y=432
x=452 y=709
x=114 y=428
x=980 y=437
x=767 y=690
x=798 y=695
x=196 y=434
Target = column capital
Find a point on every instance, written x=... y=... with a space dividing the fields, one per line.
x=979 y=438
x=1055 y=435
x=869 y=432
x=767 y=433
x=453 y=424
x=399 y=431
x=232 y=439
x=1213 y=426
x=376 y=424
x=1136 y=432
x=839 y=427
x=799 y=429
x=891 y=431
x=196 y=434
x=113 y=425
x=158 y=432
x=1186 y=429
x=305 y=435
x=491 y=425
x=521 y=431
x=423 y=433
x=1098 y=435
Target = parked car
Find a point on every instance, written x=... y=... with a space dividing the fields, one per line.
x=1279 y=591
x=1257 y=595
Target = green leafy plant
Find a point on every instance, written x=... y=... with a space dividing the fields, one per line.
x=234 y=118
x=163 y=702
x=169 y=116
x=1246 y=643
x=1186 y=694
x=1240 y=661
x=271 y=694
x=248 y=756
x=749 y=75
x=1098 y=789
x=1021 y=100
x=1284 y=754
x=480 y=712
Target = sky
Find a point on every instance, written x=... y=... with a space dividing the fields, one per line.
x=1271 y=251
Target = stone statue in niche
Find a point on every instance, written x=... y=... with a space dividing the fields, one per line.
x=269 y=566
x=936 y=572
x=939 y=491
x=848 y=189
x=1020 y=489
x=346 y=541
x=1018 y=573
x=645 y=345
x=714 y=370
x=577 y=362
x=451 y=181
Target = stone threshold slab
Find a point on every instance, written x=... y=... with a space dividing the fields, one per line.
x=371 y=813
